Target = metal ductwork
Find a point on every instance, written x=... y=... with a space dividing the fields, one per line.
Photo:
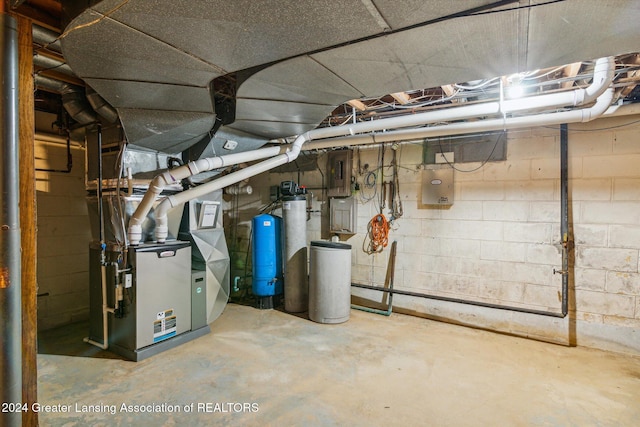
x=101 y=106
x=82 y=105
x=45 y=37
x=74 y=100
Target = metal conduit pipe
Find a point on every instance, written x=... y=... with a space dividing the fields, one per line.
x=564 y=214
x=10 y=257
x=604 y=66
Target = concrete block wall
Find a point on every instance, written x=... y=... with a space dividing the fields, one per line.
x=500 y=240
x=63 y=236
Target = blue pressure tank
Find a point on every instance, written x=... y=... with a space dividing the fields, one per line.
x=267 y=259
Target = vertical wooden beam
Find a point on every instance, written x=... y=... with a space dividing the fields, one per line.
x=28 y=219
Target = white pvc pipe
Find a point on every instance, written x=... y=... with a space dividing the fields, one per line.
x=176 y=175
x=603 y=74
x=583 y=115
x=105 y=313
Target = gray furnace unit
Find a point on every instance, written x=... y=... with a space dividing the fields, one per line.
x=157 y=310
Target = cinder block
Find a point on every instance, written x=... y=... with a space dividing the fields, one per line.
x=475 y=230
x=626 y=189
x=505 y=211
x=466 y=210
x=510 y=170
x=542 y=296
x=459 y=285
x=532 y=148
x=623 y=260
x=622 y=165
x=410 y=191
x=611 y=213
x=590 y=234
x=624 y=236
x=502 y=291
x=445 y=265
x=622 y=321
x=461 y=248
x=589 y=317
x=590 y=279
x=544 y=254
x=486 y=269
x=361 y=273
x=414 y=245
x=527 y=232
x=604 y=303
x=526 y=273
x=481 y=190
x=469 y=172
x=625 y=141
x=503 y=251
x=531 y=190
x=550 y=168
x=409 y=262
x=410 y=154
x=590 y=143
x=544 y=212
x=623 y=283
x=545 y=168
x=590 y=189
x=405 y=226
x=419 y=280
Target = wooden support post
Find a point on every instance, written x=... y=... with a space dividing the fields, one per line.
x=28 y=220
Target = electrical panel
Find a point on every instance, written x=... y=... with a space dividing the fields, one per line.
x=339 y=164
x=437 y=186
x=342 y=219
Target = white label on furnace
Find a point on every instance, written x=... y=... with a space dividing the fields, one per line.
x=286 y=206
x=267 y=223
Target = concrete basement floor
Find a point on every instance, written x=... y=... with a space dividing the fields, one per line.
x=371 y=370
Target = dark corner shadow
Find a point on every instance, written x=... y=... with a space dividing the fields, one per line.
x=68 y=340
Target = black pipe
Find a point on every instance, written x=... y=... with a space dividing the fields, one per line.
x=100 y=206
x=564 y=214
x=10 y=261
x=460 y=301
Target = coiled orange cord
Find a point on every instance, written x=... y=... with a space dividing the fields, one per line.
x=378 y=231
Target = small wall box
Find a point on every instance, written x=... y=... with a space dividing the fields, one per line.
x=343 y=215
x=437 y=186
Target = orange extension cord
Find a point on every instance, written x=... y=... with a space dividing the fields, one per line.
x=378 y=232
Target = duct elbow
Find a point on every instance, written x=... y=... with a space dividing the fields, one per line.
x=602 y=104
x=603 y=73
x=134 y=233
